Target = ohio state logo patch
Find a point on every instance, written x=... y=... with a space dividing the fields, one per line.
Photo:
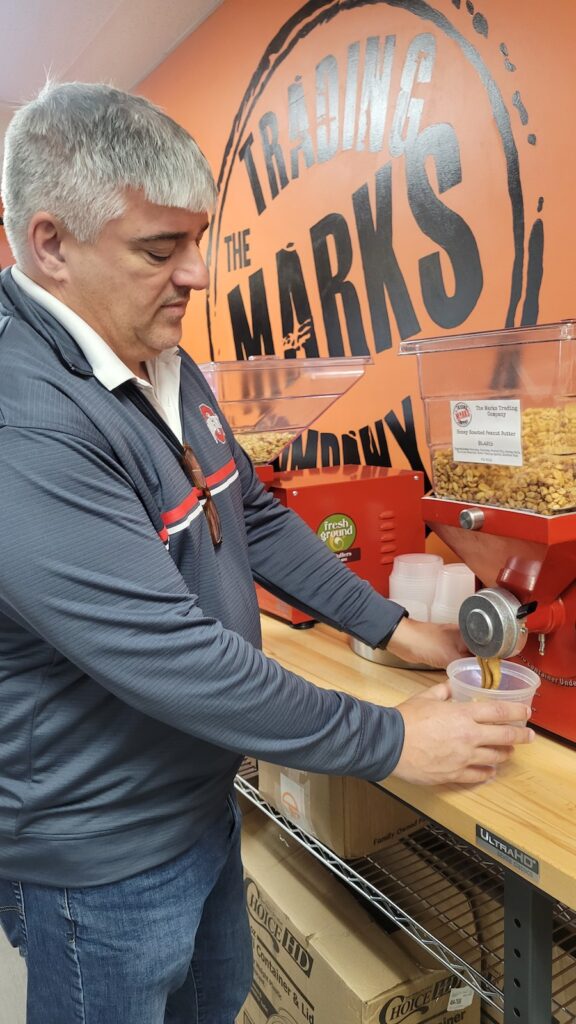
x=213 y=423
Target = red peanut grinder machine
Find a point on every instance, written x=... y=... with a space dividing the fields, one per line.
x=500 y=413
x=365 y=514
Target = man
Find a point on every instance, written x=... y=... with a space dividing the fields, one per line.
x=131 y=675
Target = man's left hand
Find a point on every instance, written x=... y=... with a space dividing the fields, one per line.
x=427 y=643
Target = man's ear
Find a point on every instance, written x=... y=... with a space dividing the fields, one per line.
x=46 y=249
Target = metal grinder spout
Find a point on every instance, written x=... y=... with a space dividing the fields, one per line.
x=492 y=623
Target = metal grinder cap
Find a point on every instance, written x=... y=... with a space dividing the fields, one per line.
x=489 y=623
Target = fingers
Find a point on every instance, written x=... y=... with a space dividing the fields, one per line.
x=440 y=691
x=474 y=775
x=504 y=736
x=484 y=762
x=458 y=743
x=500 y=712
x=491 y=755
x=455 y=639
x=432 y=643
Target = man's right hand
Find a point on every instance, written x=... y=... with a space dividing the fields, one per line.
x=447 y=742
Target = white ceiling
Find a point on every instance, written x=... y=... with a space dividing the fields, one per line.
x=114 y=41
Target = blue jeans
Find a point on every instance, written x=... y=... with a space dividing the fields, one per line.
x=167 y=946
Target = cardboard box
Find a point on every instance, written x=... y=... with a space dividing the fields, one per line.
x=433 y=894
x=321 y=958
x=350 y=816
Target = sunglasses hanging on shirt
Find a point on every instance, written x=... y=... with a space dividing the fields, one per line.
x=185 y=456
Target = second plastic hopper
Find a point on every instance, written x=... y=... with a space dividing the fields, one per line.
x=270 y=401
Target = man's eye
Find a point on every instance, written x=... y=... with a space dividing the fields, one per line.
x=158 y=257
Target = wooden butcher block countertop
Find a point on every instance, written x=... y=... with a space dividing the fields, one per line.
x=531 y=803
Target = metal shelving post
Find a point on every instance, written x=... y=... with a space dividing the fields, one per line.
x=527 y=952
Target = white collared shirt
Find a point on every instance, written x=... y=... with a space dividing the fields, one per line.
x=163 y=390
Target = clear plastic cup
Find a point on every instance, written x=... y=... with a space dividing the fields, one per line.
x=407 y=592
x=417 y=610
x=417 y=566
x=413 y=578
x=446 y=613
x=454 y=583
x=518 y=683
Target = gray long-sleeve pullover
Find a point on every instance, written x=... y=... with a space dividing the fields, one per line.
x=131 y=675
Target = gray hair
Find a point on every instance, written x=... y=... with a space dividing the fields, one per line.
x=76 y=148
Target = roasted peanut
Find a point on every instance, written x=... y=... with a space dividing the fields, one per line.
x=266 y=445
x=545 y=483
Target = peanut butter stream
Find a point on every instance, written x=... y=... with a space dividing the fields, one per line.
x=491 y=670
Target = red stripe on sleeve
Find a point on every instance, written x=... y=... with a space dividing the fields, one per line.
x=221 y=474
x=175 y=514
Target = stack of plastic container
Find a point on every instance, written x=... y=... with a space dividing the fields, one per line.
x=413 y=582
x=454 y=583
x=429 y=590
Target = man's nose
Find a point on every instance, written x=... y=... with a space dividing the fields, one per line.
x=191 y=270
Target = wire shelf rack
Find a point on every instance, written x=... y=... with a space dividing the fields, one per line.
x=448 y=897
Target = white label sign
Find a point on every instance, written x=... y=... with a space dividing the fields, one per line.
x=489 y=431
x=295 y=801
x=460 y=998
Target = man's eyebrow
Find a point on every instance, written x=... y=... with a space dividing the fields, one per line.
x=165 y=236
x=162 y=236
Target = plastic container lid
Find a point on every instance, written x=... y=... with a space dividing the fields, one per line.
x=564 y=330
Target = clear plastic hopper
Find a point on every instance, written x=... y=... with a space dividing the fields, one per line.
x=500 y=410
x=500 y=413
x=269 y=401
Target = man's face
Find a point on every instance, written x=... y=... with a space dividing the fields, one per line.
x=133 y=284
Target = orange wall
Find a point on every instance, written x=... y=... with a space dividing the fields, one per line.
x=473 y=222
x=471 y=152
